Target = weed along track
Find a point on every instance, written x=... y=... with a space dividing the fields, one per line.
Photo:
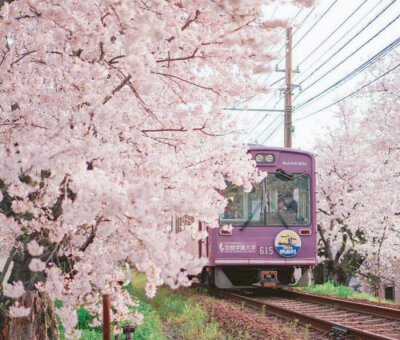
x=337 y=318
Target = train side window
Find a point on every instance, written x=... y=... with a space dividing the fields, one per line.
x=243 y=206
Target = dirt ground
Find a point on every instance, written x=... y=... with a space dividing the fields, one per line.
x=246 y=322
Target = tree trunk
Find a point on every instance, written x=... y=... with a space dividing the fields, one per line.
x=40 y=324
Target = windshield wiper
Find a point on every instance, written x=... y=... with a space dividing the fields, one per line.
x=282 y=219
x=246 y=223
x=287 y=176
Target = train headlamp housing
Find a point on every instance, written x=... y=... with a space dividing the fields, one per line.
x=259 y=158
x=268 y=158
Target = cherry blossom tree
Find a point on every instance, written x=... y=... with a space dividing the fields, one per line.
x=359 y=183
x=111 y=123
x=338 y=178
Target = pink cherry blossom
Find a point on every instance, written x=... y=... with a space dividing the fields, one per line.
x=17 y=311
x=13 y=290
x=36 y=265
x=359 y=181
x=112 y=125
x=34 y=248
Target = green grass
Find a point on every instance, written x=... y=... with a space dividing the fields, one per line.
x=328 y=288
x=84 y=319
x=168 y=315
x=182 y=317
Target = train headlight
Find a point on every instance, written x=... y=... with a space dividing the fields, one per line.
x=269 y=158
x=265 y=158
x=259 y=158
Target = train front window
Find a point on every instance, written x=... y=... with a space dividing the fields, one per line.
x=276 y=201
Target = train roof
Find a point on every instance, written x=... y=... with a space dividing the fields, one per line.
x=255 y=147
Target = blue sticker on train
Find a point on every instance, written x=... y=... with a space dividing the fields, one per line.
x=287 y=243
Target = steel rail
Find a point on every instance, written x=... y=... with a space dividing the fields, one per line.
x=318 y=323
x=354 y=306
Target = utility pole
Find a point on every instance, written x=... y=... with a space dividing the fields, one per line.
x=288 y=110
x=288 y=91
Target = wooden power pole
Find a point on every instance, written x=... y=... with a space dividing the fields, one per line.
x=288 y=90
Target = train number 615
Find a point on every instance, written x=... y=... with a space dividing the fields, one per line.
x=266 y=250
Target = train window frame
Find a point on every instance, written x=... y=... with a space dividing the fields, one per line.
x=310 y=205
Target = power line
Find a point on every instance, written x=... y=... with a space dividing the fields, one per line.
x=280 y=50
x=263 y=118
x=277 y=118
x=251 y=110
x=315 y=24
x=350 y=40
x=349 y=95
x=279 y=80
x=273 y=131
x=353 y=73
x=301 y=25
x=304 y=35
x=268 y=126
x=270 y=74
x=332 y=33
x=349 y=56
x=343 y=36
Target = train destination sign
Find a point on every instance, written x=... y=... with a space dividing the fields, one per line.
x=287 y=243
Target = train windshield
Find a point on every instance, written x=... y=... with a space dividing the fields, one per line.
x=276 y=201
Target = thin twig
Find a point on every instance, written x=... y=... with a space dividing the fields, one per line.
x=186 y=81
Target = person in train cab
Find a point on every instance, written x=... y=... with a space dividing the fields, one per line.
x=290 y=203
x=281 y=204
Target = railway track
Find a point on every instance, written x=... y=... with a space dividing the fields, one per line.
x=337 y=318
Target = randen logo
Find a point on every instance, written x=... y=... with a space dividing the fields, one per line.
x=287 y=243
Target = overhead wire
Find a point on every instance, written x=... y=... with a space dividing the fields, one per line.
x=270 y=74
x=294 y=33
x=276 y=119
x=304 y=35
x=349 y=56
x=282 y=78
x=330 y=48
x=353 y=73
x=314 y=50
x=315 y=24
x=277 y=81
x=266 y=128
x=346 y=43
x=272 y=132
x=349 y=95
x=254 y=127
x=362 y=67
x=280 y=50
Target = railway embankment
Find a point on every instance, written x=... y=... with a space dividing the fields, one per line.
x=244 y=321
x=336 y=318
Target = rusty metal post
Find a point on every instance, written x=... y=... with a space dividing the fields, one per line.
x=106 y=317
x=378 y=292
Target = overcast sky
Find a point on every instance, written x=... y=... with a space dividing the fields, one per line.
x=307 y=130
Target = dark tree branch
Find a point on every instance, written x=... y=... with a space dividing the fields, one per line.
x=186 y=81
x=189 y=21
x=192 y=56
x=118 y=88
x=22 y=57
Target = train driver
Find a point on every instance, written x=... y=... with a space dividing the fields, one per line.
x=281 y=204
x=290 y=203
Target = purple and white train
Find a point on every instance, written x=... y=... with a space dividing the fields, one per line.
x=274 y=226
